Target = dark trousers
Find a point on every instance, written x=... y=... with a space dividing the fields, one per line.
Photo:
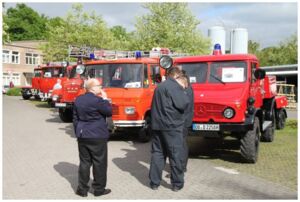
x=92 y=153
x=167 y=144
x=185 y=155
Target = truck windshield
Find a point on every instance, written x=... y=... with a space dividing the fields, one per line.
x=37 y=73
x=53 y=72
x=195 y=71
x=228 y=72
x=117 y=75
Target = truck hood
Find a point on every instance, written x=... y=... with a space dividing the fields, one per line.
x=219 y=94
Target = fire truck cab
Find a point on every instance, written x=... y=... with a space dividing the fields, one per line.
x=129 y=79
x=234 y=97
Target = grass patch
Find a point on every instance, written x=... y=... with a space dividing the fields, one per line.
x=277 y=161
x=14 y=92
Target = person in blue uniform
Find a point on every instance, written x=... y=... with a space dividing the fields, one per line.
x=167 y=121
x=89 y=120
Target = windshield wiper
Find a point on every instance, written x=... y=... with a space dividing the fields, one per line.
x=217 y=79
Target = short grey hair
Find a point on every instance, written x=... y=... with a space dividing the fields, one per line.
x=90 y=83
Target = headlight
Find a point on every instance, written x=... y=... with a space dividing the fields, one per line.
x=80 y=69
x=165 y=62
x=228 y=113
x=55 y=98
x=129 y=110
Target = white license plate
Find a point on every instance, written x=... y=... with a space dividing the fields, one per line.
x=209 y=127
x=60 y=104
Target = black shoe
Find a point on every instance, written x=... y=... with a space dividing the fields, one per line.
x=175 y=189
x=81 y=193
x=154 y=187
x=106 y=191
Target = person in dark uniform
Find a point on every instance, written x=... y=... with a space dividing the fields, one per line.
x=89 y=113
x=188 y=119
x=167 y=122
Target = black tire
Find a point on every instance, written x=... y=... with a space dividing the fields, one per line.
x=250 y=143
x=281 y=119
x=66 y=115
x=145 y=133
x=37 y=97
x=269 y=133
x=26 y=96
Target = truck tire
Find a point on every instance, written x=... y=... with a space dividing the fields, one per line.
x=281 y=119
x=250 y=143
x=66 y=115
x=26 y=96
x=145 y=133
x=37 y=97
x=268 y=134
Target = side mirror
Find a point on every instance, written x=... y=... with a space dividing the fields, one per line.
x=80 y=69
x=165 y=62
x=47 y=75
x=260 y=74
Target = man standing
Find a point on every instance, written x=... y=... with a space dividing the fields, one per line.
x=167 y=122
x=89 y=114
x=188 y=119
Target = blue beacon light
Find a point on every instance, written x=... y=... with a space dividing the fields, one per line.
x=217 y=49
x=138 y=54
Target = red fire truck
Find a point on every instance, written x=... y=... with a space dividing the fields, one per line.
x=129 y=80
x=45 y=77
x=28 y=91
x=234 y=97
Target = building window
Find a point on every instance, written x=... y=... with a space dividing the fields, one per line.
x=32 y=59
x=15 y=57
x=15 y=78
x=5 y=56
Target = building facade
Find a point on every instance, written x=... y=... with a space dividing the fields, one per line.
x=19 y=58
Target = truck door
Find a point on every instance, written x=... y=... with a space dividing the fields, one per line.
x=256 y=86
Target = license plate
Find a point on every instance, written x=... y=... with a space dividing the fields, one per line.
x=60 y=104
x=207 y=127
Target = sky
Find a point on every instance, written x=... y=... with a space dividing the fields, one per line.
x=267 y=23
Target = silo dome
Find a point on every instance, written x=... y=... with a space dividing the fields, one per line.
x=217 y=35
x=239 y=41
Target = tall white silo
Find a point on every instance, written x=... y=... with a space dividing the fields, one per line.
x=217 y=34
x=239 y=41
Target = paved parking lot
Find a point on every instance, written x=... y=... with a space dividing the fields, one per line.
x=40 y=161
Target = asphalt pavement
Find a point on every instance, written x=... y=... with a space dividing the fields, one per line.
x=40 y=161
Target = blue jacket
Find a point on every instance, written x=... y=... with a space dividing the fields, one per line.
x=89 y=116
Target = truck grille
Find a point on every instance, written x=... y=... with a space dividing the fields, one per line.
x=208 y=110
x=115 y=109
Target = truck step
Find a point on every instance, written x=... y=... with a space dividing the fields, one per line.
x=266 y=124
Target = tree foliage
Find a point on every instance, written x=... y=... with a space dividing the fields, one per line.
x=78 y=28
x=25 y=24
x=169 y=25
x=284 y=53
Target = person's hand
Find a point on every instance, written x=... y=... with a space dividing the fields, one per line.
x=103 y=94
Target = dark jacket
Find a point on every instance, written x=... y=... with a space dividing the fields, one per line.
x=168 y=105
x=189 y=112
x=89 y=115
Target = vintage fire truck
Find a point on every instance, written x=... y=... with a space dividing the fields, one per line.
x=234 y=97
x=129 y=79
x=45 y=77
x=34 y=89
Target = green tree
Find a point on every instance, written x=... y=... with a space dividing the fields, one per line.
x=78 y=28
x=253 y=47
x=169 y=25
x=25 y=24
x=123 y=39
x=5 y=34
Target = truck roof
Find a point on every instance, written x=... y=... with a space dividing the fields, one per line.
x=124 y=60
x=208 y=58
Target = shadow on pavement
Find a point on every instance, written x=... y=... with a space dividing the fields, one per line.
x=226 y=149
x=69 y=171
x=135 y=162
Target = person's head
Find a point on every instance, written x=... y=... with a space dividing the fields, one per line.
x=174 y=72
x=93 y=86
x=183 y=81
x=58 y=81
